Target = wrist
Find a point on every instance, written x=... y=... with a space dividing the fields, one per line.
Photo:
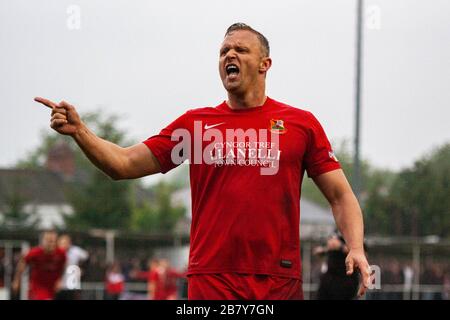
x=356 y=248
x=80 y=130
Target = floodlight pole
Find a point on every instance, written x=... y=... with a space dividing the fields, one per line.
x=356 y=181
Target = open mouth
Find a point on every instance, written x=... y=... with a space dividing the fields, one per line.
x=232 y=69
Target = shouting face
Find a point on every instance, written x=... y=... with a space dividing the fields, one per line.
x=242 y=64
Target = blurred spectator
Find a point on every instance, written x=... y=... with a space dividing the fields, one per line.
x=115 y=282
x=335 y=284
x=432 y=274
x=70 y=284
x=165 y=281
x=408 y=276
x=95 y=268
x=392 y=274
x=151 y=275
x=446 y=289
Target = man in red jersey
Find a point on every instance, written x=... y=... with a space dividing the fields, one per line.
x=247 y=159
x=165 y=281
x=47 y=263
x=151 y=275
x=161 y=280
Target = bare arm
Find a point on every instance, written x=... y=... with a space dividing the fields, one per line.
x=151 y=287
x=117 y=162
x=20 y=269
x=349 y=220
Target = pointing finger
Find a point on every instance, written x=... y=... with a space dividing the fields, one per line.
x=46 y=102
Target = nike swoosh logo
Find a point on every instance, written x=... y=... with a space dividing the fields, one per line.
x=213 y=125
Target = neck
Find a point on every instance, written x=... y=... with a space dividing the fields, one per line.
x=246 y=100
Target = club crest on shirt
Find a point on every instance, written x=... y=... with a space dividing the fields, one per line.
x=277 y=126
x=332 y=156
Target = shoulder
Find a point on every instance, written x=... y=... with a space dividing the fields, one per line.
x=203 y=111
x=299 y=115
x=35 y=251
x=60 y=252
x=296 y=110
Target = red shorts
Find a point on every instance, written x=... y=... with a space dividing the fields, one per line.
x=40 y=294
x=234 y=286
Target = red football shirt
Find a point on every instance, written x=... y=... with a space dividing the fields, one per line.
x=115 y=283
x=165 y=284
x=244 y=221
x=46 y=269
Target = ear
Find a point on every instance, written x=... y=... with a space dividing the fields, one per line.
x=265 y=64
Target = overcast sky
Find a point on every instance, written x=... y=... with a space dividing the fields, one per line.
x=149 y=61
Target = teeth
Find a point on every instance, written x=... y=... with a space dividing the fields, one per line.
x=232 y=68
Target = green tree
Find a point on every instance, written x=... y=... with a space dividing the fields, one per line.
x=13 y=208
x=311 y=192
x=422 y=194
x=416 y=202
x=161 y=214
x=100 y=202
x=97 y=200
x=380 y=215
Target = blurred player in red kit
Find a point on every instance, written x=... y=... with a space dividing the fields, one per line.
x=47 y=263
x=164 y=281
x=114 y=282
x=161 y=280
x=247 y=159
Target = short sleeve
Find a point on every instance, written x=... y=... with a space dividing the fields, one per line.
x=162 y=145
x=31 y=255
x=153 y=276
x=319 y=157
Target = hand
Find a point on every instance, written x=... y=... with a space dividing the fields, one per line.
x=65 y=119
x=15 y=286
x=356 y=259
x=58 y=285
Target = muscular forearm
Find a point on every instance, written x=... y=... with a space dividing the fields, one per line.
x=105 y=155
x=117 y=162
x=348 y=216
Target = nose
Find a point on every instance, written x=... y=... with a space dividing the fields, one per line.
x=230 y=55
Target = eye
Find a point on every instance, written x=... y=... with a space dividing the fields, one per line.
x=224 y=51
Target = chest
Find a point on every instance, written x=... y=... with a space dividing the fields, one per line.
x=253 y=138
x=48 y=262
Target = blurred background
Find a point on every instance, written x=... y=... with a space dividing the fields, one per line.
x=130 y=68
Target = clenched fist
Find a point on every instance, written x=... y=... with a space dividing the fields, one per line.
x=64 y=118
